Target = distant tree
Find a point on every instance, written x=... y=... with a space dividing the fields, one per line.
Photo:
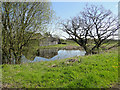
x=53 y=28
x=20 y=20
x=47 y=34
x=94 y=23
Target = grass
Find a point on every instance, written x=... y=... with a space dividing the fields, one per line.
x=53 y=46
x=35 y=45
x=93 y=71
x=68 y=43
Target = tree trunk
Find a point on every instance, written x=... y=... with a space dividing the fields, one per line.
x=17 y=60
x=88 y=52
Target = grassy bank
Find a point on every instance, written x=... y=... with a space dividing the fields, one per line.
x=68 y=43
x=93 y=71
x=34 y=44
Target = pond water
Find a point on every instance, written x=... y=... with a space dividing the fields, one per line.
x=52 y=54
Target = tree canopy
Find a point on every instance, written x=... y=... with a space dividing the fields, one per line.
x=20 y=20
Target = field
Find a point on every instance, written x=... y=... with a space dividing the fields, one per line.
x=60 y=45
x=92 y=71
x=35 y=43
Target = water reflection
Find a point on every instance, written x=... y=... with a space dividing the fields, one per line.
x=52 y=54
x=47 y=53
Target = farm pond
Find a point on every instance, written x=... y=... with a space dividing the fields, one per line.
x=50 y=54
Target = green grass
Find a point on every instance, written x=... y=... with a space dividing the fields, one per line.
x=93 y=71
x=52 y=46
x=35 y=45
x=68 y=43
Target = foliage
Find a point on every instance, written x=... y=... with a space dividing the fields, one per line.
x=96 y=71
x=20 y=21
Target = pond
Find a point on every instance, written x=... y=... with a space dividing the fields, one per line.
x=51 y=54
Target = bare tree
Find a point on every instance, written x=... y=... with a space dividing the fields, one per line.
x=20 y=20
x=77 y=31
x=94 y=23
x=104 y=24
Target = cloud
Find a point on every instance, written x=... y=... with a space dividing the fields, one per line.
x=116 y=5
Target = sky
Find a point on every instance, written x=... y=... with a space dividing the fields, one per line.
x=70 y=9
x=67 y=10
